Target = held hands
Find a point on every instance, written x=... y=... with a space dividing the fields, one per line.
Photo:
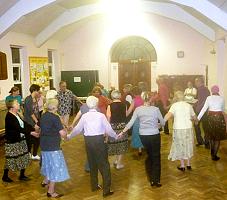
x=159 y=125
x=195 y=120
x=35 y=134
x=37 y=128
x=70 y=128
x=120 y=135
x=65 y=137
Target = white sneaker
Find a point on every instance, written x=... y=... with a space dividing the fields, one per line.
x=119 y=166
x=115 y=163
x=35 y=157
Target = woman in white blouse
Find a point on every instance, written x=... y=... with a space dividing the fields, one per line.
x=183 y=137
x=215 y=104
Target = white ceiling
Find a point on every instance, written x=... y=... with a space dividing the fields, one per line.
x=5 y=5
x=36 y=21
x=222 y=4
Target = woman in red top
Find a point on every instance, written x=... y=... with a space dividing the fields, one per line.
x=103 y=101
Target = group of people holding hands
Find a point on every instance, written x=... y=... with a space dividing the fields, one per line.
x=105 y=124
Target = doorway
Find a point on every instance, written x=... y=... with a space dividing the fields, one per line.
x=134 y=55
x=134 y=72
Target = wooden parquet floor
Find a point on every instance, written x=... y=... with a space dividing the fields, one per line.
x=207 y=180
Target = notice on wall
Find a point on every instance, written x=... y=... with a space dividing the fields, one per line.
x=39 y=73
x=77 y=79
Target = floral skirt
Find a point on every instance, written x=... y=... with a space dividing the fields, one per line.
x=17 y=156
x=182 y=145
x=53 y=166
x=216 y=126
x=120 y=146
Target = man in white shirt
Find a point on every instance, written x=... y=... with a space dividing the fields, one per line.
x=94 y=125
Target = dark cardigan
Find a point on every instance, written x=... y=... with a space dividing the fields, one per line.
x=13 y=129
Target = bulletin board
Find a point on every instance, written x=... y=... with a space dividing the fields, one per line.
x=39 y=72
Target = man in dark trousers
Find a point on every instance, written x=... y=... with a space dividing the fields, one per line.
x=164 y=94
x=94 y=126
x=202 y=94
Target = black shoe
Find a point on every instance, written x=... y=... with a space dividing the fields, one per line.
x=7 y=179
x=43 y=184
x=156 y=184
x=108 y=194
x=189 y=168
x=24 y=178
x=99 y=187
x=198 y=144
x=215 y=158
x=54 y=195
x=181 y=168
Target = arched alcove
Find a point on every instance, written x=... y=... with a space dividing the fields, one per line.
x=133 y=56
x=133 y=48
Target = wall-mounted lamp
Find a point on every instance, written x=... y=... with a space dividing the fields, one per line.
x=213 y=52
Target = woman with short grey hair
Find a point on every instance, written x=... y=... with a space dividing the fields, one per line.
x=116 y=115
x=183 y=137
x=149 y=117
x=53 y=167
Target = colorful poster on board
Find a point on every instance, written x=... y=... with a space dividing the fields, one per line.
x=39 y=72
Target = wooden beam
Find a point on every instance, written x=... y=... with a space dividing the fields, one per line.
x=208 y=9
x=17 y=11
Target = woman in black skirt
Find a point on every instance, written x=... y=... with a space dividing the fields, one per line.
x=215 y=104
x=116 y=115
x=16 y=151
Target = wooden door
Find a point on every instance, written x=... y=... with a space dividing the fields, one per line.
x=3 y=66
x=133 y=73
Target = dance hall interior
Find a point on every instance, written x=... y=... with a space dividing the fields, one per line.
x=61 y=57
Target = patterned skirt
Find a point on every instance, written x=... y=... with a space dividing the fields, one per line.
x=182 y=144
x=216 y=126
x=120 y=146
x=53 y=166
x=17 y=156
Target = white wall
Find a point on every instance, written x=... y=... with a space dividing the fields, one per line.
x=88 y=47
x=29 y=49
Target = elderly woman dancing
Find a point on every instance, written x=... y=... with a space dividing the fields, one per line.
x=149 y=118
x=16 y=150
x=116 y=115
x=53 y=163
x=215 y=104
x=182 y=145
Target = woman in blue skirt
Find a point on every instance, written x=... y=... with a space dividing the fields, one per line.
x=53 y=163
x=136 y=102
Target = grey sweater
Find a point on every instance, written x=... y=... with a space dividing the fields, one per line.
x=149 y=119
